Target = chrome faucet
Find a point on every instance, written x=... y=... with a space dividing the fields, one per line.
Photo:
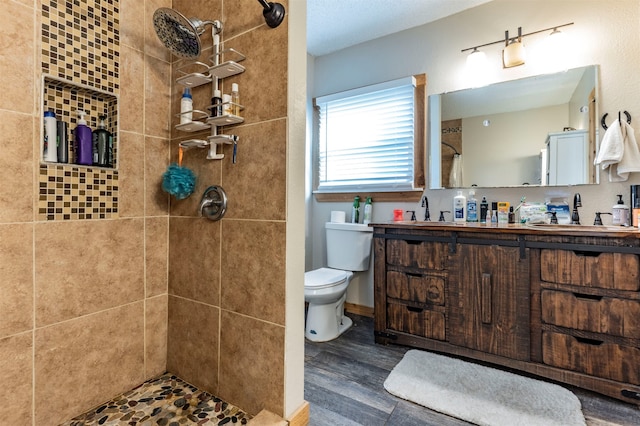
x=425 y=203
x=577 y=202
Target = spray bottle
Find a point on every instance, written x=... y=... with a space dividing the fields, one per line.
x=82 y=140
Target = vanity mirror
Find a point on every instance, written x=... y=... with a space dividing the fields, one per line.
x=540 y=130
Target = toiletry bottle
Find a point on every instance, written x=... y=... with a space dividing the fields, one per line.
x=484 y=208
x=635 y=205
x=82 y=140
x=459 y=207
x=235 y=99
x=620 y=213
x=494 y=213
x=503 y=212
x=186 y=107
x=101 y=137
x=63 y=141
x=50 y=148
x=355 y=211
x=226 y=104
x=512 y=215
x=216 y=102
x=472 y=207
x=368 y=208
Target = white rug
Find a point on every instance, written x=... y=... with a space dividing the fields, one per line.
x=481 y=395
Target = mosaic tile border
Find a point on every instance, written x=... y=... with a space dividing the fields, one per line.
x=67 y=192
x=164 y=400
x=81 y=41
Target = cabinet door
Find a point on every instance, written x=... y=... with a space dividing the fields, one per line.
x=490 y=300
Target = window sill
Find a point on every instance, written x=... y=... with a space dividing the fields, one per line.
x=409 y=196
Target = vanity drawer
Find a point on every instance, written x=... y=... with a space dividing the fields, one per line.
x=417 y=254
x=416 y=321
x=416 y=288
x=596 y=358
x=619 y=271
x=606 y=315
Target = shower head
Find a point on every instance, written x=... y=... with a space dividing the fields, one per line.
x=180 y=34
x=273 y=13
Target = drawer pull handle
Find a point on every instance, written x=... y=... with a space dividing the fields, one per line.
x=591 y=342
x=587 y=296
x=587 y=253
x=411 y=274
x=412 y=309
x=413 y=242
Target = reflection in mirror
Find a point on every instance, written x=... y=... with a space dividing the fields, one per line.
x=539 y=130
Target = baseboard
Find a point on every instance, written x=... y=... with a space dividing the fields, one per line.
x=301 y=416
x=352 y=308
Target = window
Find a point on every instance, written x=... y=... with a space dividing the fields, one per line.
x=371 y=139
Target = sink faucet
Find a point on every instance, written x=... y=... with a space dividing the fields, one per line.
x=425 y=203
x=577 y=202
x=413 y=215
x=442 y=212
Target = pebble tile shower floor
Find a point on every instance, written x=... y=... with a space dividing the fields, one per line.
x=166 y=400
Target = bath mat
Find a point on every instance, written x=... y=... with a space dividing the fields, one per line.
x=481 y=395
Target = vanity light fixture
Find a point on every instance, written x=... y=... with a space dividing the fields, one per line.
x=514 y=52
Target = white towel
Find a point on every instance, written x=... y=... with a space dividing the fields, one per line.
x=619 y=151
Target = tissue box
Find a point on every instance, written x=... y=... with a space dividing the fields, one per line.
x=562 y=213
x=533 y=213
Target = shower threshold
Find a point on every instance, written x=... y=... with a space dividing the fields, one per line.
x=164 y=400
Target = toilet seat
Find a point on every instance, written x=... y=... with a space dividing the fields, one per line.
x=324 y=278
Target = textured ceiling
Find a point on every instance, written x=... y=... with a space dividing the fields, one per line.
x=336 y=24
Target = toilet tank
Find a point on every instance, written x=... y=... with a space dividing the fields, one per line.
x=348 y=246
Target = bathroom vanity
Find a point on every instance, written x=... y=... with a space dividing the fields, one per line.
x=556 y=301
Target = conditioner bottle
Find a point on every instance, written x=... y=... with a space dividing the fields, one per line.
x=82 y=140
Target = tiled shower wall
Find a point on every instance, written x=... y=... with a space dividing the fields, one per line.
x=83 y=300
x=88 y=306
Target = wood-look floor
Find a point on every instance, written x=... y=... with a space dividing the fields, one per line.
x=344 y=386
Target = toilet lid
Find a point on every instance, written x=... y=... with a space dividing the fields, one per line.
x=324 y=277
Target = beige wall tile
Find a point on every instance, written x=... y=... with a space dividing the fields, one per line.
x=193 y=343
x=256 y=184
x=132 y=13
x=152 y=44
x=87 y=266
x=194 y=259
x=16 y=355
x=157 y=96
x=16 y=163
x=94 y=358
x=131 y=103
x=155 y=163
x=156 y=255
x=251 y=363
x=131 y=175
x=253 y=269
x=17 y=67
x=263 y=86
x=155 y=336
x=16 y=285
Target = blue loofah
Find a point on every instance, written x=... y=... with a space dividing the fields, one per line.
x=178 y=181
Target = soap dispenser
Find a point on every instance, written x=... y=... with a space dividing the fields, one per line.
x=620 y=213
x=82 y=139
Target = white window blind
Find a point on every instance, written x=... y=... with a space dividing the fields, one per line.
x=366 y=138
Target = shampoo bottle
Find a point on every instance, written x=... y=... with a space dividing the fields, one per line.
x=368 y=207
x=50 y=148
x=472 y=207
x=355 y=211
x=484 y=209
x=186 y=107
x=102 y=138
x=459 y=206
x=216 y=102
x=82 y=140
x=620 y=213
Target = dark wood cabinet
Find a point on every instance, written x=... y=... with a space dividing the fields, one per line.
x=564 y=307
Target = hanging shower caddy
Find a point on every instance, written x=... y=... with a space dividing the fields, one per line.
x=203 y=73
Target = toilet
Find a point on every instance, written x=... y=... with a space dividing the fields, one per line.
x=325 y=289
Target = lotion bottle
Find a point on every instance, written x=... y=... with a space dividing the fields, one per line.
x=620 y=213
x=459 y=207
x=82 y=139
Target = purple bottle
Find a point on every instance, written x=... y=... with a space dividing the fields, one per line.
x=83 y=141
